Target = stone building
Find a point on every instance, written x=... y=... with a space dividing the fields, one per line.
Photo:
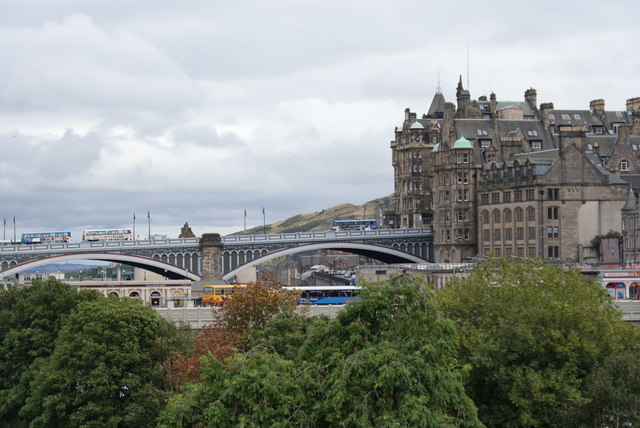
x=517 y=178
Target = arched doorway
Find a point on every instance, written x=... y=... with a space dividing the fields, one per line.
x=155 y=299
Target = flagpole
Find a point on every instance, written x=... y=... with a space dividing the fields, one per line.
x=245 y=220
x=264 y=222
x=149 y=218
x=4 y=233
x=134 y=226
x=14 y=228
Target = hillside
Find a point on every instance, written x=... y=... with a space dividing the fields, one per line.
x=322 y=220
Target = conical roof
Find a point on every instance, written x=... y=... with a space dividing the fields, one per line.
x=437 y=106
x=632 y=201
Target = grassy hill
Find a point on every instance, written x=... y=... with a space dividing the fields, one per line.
x=323 y=220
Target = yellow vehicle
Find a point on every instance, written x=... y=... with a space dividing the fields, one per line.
x=216 y=295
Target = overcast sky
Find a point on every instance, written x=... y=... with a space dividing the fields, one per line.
x=198 y=110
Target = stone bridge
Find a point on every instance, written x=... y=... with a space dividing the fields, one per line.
x=214 y=257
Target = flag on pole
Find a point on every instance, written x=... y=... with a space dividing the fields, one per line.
x=262 y=210
x=148 y=214
x=134 y=216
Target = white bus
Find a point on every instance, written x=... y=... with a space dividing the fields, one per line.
x=107 y=235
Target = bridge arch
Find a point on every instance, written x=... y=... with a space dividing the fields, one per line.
x=157 y=266
x=376 y=251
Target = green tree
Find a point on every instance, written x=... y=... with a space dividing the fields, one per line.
x=388 y=361
x=30 y=321
x=253 y=389
x=105 y=370
x=613 y=392
x=532 y=333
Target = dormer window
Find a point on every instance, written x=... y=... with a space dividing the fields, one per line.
x=532 y=133
x=481 y=132
x=624 y=165
x=552 y=116
x=576 y=116
x=536 y=144
x=566 y=117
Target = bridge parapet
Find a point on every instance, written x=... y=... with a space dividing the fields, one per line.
x=345 y=235
x=99 y=246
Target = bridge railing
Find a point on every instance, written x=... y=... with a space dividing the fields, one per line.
x=329 y=235
x=101 y=245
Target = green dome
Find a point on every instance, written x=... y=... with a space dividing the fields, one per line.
x=462 y=143
x=416 y=125
x=436 y=147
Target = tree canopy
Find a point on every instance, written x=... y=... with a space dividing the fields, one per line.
x=532 y=332
x=387 y=361
x=30 y=321
x=101 y=372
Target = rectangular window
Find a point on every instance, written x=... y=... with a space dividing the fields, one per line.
x=552 y=213
x=566 y=117
x=462 y=194
x=486 y=235
x=462 y=215
x=506 y=197
x=517 y=196
x=496 y=234
x=519 y=233
x=445 y=197
x=447 y=235
x=507 y=234
x=497 y=252
x=530 y=194
x=552 y=232
x=553 y=194
x=507 y=252
x=462 y=178
x=535 y=144
x=484 y=199
x=447 y=216
x=531 y=252
x=520 y=251
x=531 y=233
x=495 y=198
x=553 y=252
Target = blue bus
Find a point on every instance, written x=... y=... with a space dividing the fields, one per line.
x=45 y=237
x=355 y=224
x=327 y=294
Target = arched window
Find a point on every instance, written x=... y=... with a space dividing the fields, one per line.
x=485 y=217
x=519 y=214
x=507 y=215
x=531 y=214
x=496 y=216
